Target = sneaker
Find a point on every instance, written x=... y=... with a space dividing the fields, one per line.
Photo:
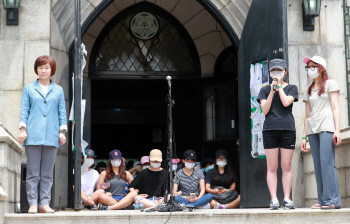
x=216 y=205
x=103 y=207
x=274 y=204
x=288 y=204
x=221 y=206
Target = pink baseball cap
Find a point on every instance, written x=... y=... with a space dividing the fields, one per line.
x=316 y=59
x=144 y=159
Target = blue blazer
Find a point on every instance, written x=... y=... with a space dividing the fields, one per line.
x=42 y=115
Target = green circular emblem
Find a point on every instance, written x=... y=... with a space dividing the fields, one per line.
x=144 y=25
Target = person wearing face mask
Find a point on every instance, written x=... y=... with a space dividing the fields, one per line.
x=279 y=130
x=189 y=186
x=145 y=162
x=322 y=127
x=150 y=182
x=117 y=196
x=221 y=182
x=89 y=181
x=207 y=165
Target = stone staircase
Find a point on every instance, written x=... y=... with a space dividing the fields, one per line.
x=260 y=216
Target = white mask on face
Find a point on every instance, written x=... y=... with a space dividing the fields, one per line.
x=190 y=165
x=313 y=74
x=155 y=165
x=146 y=167
x=221 y=163
x=279 y=73
x=116 y=162
x=89 y=162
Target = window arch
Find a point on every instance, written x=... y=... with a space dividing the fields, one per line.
x=118 y=52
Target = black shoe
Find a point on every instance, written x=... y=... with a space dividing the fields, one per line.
x=288 y=204
x=103 y=207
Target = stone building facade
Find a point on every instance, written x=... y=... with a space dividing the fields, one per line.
x=47 y=27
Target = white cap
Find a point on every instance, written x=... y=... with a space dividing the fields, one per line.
x=316 y=59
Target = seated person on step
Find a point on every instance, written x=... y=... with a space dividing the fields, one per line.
x=190 y=183
x=89 y=180
x=151 y=182
x=221 y=182
x=119 y=179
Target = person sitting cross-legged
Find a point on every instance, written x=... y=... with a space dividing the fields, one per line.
x=150 y=182
x=190 y=183
x=115 y=174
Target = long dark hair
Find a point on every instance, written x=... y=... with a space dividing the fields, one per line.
x=322 y=83
x=110 y=173
x=228 y=175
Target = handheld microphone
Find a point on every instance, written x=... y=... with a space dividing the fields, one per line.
x=275 y=86
x=169 y=80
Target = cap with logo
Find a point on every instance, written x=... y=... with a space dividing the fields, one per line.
x=88 y=152
x=156 y=155
x=144 y=159
x=115 y=154
x=316 y=59
x=277 y=63
x=190 y=154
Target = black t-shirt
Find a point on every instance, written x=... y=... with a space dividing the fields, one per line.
x=279 y=117
x=150 y=182
x=224 y=182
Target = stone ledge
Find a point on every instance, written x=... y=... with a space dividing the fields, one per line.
x=6 y=136
x=262 y=215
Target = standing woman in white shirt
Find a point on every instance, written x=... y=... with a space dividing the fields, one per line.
x=43 y=123
x=322 y=126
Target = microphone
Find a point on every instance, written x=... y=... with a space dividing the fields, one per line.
x=275 y=86
x=169 y=80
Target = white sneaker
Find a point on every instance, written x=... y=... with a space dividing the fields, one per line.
x=274 y=204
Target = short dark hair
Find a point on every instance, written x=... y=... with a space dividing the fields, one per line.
x=44 y=59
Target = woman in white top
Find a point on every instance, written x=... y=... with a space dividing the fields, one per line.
x=322 y=126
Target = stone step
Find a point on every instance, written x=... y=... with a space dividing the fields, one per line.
x=209 y=216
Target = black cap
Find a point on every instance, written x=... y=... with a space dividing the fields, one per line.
x=221 y=152
x=190 y=154
x=207 y=161
x=115 y=154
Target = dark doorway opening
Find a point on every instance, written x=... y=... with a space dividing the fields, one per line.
x=130 y=115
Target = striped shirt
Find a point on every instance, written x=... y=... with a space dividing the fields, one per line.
x=189 y=184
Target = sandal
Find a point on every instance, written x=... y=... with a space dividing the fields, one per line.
x=326 y=207
x=94 y=207
x=316 y=206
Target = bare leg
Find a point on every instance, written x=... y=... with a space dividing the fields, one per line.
x=125 y=202
x=286 y=163
x=212 y=203
x=106 y=200
x=272 y=164
x=235 y=203
x=97 y=194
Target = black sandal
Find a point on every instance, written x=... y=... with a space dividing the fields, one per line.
x=94 y=207
x=327 y=207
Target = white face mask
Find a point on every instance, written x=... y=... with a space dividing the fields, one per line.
x=221 y=163
x=155 y=165
x=279 y=73
x=116 y=162
x=89 y=162
x=190 y=165
x=146 y=167
x=313 y=74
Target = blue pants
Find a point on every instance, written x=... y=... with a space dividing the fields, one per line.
x=323 y=154
x=200 y=202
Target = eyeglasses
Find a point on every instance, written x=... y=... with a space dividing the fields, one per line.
x=312 y=68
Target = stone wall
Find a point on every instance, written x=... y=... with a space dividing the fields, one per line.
x=11 y=158
x=327 y=41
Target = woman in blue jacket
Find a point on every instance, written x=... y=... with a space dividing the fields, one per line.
x=43 y=124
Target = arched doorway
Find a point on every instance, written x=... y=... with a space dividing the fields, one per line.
x=138 y=89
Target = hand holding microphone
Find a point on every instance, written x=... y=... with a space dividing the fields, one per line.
x=275 y=85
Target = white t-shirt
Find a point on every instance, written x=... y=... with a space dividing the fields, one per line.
x=321 y=115
x=44 y=89
x=89 y=180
